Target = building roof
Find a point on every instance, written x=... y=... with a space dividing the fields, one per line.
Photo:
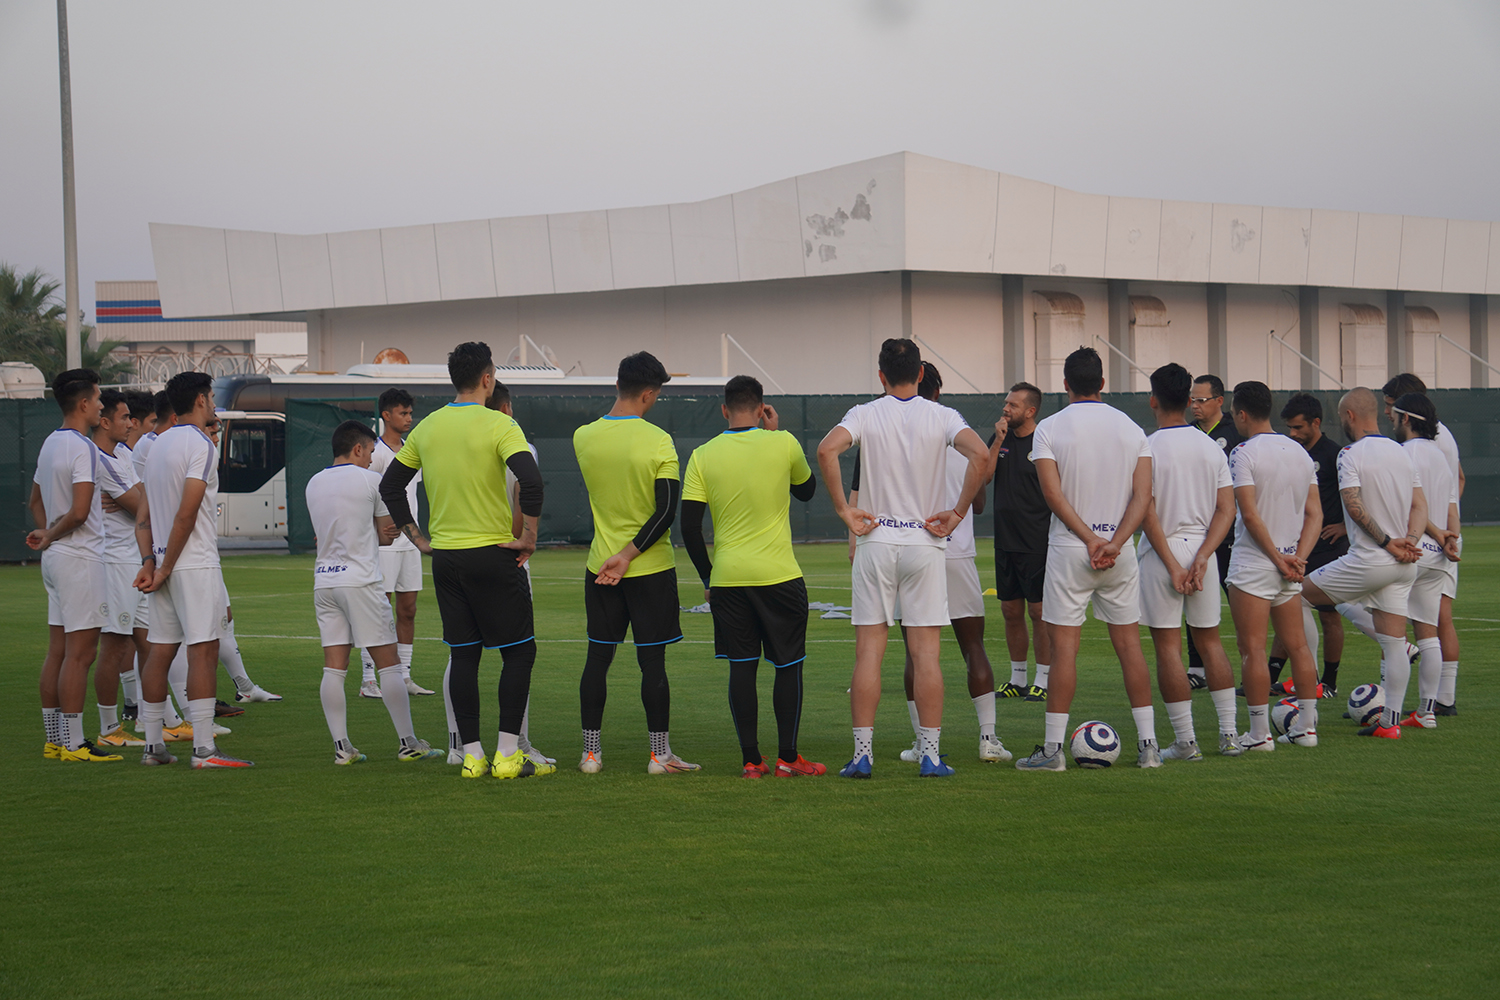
x=131 y=311
x=904 y=211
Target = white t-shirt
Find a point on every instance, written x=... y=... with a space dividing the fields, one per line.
x=1449 y=446
x=116 y=477
x=139 y=452
x=379 y=460
x=1096 y=448
x=1385 y=475
x=1281 y=472
x=961 y=542
x=1439 y=486
x=343 y=502
x=1187 y=472
x=181 y=453
x=67 y=457
x=903 y=465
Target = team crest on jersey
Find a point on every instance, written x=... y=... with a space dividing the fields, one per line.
x=1029 y=454
x=224 y=623
x=104 y=610
x=1223 y=443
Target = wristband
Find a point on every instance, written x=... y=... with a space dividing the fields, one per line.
x=146 y=559
x=1386 y=542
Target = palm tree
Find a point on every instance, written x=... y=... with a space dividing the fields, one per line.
x=33 y=329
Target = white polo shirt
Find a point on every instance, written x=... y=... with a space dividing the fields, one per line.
x=1281 y=472
x=181 y=453
x=1385 y=475
x=1187 y=472
x=117 y=476
x=1096 y=448
x=961 y=542
x=343 y=502
x=1441 y=489
x=66 y=458
x=380 y=459
x=903 y=478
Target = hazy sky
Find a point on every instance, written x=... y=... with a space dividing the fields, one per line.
x=311 y=116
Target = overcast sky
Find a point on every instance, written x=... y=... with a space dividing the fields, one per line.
x=311 y=116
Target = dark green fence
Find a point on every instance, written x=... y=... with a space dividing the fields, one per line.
x=24 y=425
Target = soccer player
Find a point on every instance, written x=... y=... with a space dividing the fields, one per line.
x=1022 y=518
x=70 y=536
x=745 y=478
x=899 y=559
x=1416 y=428
x=1280 y=515
x=1094 y=466
x=478 y=572
x=350 y=524
x=400 y=562
x=166 y=419
x=1208 y=413
x=1191 y=511
x=630 y=469
x=142 y=422
x=182 y=572
x=1382 y=495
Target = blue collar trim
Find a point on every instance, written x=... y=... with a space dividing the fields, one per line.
x=464 y=404
x=629 y=417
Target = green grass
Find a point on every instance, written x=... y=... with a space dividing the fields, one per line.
x=1350 y=869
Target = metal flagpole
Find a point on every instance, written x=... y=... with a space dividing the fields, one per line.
x=70 y=212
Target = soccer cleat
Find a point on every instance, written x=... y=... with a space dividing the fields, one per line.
x=1442 y=709
x=455 y=756
x=130 y=712
x=1412 y=654
x=535 y=754
x=1263 y=744
x=518 y=765
x=591 y=763
x=221 y=730
x=153 y=757
x=420 y=750
x=801 y=767
x=1147 y=754
x=256 y=693
x=940 y=769
x=369 y=689
x=217 y=758
x=224 y=710
x=118 y=737
x=1035 y=693
x=858 y=767
x=1383 y=732
x=1326 y=690
x=1009 y=690
x=52 y=751
x=350 y=756
x=992 y=751
x=475 y=767
x=756 y=770
x=670 y=764
x=1417 y=720
x=1304 y=738
x=181 y=733
x=914 y=753
x=1182 y=750
x=1283 y=688
x=88 y=754
x=412 y=687
x=1229 y=745
x=1043 y=760
x=1197 y=682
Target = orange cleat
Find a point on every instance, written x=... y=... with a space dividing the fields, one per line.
x=799 y=768
x=756 y=770
x=1384 y=732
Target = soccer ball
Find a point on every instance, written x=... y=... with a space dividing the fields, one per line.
x=1284 y=716
x=1095 y=744
x=1366 y=703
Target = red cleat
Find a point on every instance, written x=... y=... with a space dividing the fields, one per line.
x=1384 y=732
x=799 y=767
x=756 y=770
x=1418 y=721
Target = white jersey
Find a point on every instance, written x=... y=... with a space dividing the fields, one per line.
x=1096 y=448
x=343 y=502
x=66 y=458
x=1439 y=486
x=961 y=542
x=116 y=477
x=380 y=459
x=1281 y=472
x=1385 y=475
x=1187 y=472
x=181 y=453
x=1449 y=446
x=903 y=466
x=139 y=452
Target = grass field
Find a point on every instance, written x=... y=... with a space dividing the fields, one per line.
x=1359 y=868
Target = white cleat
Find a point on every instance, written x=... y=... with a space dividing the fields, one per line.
x=455 y=756
x=1305 y=738
x=1148 y=754
x=670 y=764
x=370 y=689
x=256 y=693
x=1247 y=743
x=914 y=754
x=412 y=687
x=592 y=763
x=992 y=751
x=1182 y=750
x=536 y=756
x=221 y=730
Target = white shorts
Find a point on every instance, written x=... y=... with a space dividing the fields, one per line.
x=1380 y=586
x=965 y=596
x=189 y=608
x=142 y=610
x=1450 y=585
x=354 y=616
x=908 y=582
x=1426 y=597
x=1071 y=583
x=402 y=569
x=121 y=596
x=77 y=598
x=1162 y=606
x=1254 y=574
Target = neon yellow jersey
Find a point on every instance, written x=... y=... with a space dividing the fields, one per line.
x=461 y=450
x=745 y=477
x=621 y=459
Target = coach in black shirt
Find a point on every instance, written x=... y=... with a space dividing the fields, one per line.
x=1022 y=519
x=1207 y=403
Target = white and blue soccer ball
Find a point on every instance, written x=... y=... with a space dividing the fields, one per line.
x=1095 y=744
x=1366 y=703
x=1284 y=716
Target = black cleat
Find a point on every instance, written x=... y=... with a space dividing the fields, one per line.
x=130 y=712
x=1197 y=682
x=1441 y=709
x=224 y=710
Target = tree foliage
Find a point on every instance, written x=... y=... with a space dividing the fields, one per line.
x=33 y=328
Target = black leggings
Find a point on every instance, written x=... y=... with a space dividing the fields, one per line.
x=656 y=693
x=512 y=691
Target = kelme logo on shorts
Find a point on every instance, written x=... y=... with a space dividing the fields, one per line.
x=892 y=522
x=1111 y=528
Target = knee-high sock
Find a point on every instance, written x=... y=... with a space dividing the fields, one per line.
x=397 y=702
x=1429 y=672
x=1310 y=627
x=1396 y=669
x=151 y=724
x=463 y=688
x=201 y=714
x=129 y=684
x=335 y=706
x=234 y=664
x=453 y=741
x=656 y=693
x=593 y=688
x=1359 y=616
x=177 y=677
x=744 y=708
x=367 y=675
x=513 y=691
x=1448 y=686
x=786 y=698
x=984 y=707
x=403 y=651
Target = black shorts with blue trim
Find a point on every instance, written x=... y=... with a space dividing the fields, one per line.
x=483 y=596
x=770 y=621
x=646 y=605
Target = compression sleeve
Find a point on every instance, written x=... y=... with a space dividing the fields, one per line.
x=528 y=478
x=854 y=482
x=667 y=493
x=802 y=491
x=393 y=492
x=692 y=538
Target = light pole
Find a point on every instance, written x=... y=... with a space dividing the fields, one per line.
x=73 y=348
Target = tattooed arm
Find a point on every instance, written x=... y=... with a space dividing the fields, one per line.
x=1354 y=505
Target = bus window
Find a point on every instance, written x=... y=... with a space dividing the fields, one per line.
x=252 y=452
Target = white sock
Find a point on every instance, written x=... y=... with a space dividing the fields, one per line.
x=1197 y=672
x=1359 y=616
x=1180 y=714
x=335 y=705
x=368 y=676
x=109 y=718
x=397 y=700
x=864 y=742
x=201 y=714
x=129 y=684
x=1307 y=715
x=1429 y=672
x=1260 y=721
x=916 y=723
x=1310 y=628
x=984 y=707
x=475 y=749
x=1395 y=669
x=929 y=736
x=1228 y=711
x=403 y=650
x=1042 y=669
x=526 y=725
x=453 y=740
x=234 y=666
x=1448 y=686
x=1145 y=723
x=52 y=723
x=151 y=722
x=170 y=717
x=508 y=744
x=1018 y=673
x=1055 y=725
x=177 y=678
x=72 y=727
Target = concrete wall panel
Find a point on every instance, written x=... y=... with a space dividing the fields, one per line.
x=766 y=228
x=1330 y=250
x=522 y=248
x=703 y=247
x=466 y=267
x=1491 y=283
x=254 y=277
x=958 y=316
x=1284 y=239
x=640 y=247
x=1023 y=226
x=1377 y=251
x=1133 y=242
x=1235 y=254
x=853 y=217
x=1465 y=256
x=1079 y=224
x=409 y=254
x=357 y=268
x=306 y=282
x=580 y=251
x=192 y=270
x=1423 y=244
x=950 y=216
x=1186 y=234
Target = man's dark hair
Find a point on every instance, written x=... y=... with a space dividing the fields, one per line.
x=1402 y=384
x=392 y=398
x=1423 y=414
x=639 y=372
x=900 y=361
x=110 y=399
x=1033 y=394
x=1215 y=384
x=141 y=404
x=1171 y=385
x=1084 y=372
x=1304 y=405
x=932 y=381
x=184 y=388
x=162 y=403
x=743 y=393
x=348 y=434
x=1253 y=399
x=73 y=385
x=467 y=364
x=500 y=396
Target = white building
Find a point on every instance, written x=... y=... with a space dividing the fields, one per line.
x=996 y=275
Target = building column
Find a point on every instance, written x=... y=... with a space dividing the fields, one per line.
x=1013 y=328
x=1479 y=340
x=1120 y=336
x=315 y=359
x=1218 y=332
x=1307 y=326
x=1395 y=335
x=906 y=304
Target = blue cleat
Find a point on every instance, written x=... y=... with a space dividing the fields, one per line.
x=937 y=770
x=859 y=767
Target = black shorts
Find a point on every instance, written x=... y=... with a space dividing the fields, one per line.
x=753 y=621
x=1020 y=575
x=1323 y=553
x=483 y=596
x=646 y=605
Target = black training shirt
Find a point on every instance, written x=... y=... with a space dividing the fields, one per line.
x=1022 y=516
x=1325 y=456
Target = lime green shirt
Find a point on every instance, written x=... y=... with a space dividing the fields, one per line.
x=745 y=477
x=461 y=450
x=621 y=459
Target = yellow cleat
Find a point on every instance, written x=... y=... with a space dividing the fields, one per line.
x=52 y=751
x=178 y=734
x=118 y=737
x=474 y=767
x=89 y=754
x=518 y=765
